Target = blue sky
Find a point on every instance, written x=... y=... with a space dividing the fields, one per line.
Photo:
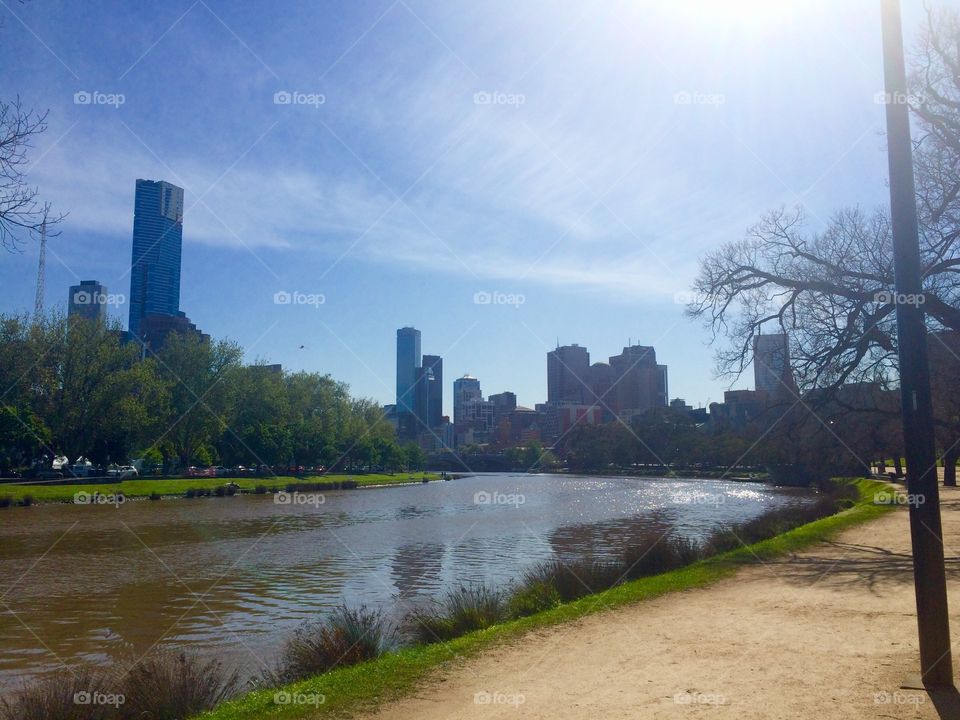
x=580 y=155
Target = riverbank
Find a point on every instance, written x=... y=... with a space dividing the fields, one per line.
x=162 y=487
x=364 y=687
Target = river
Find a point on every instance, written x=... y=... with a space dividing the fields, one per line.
x=232 y=577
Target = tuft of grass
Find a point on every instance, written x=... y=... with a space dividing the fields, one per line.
x=346 y=637
x=655 y=555
x=174 y=686
x=468 y=608
x=575 y=578
x=6 y=500
x=59 y=698
x=533 y=598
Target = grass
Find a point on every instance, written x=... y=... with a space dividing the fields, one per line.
x=147 y=487
x=351 y=689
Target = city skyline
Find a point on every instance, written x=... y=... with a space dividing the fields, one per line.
x=285 y=198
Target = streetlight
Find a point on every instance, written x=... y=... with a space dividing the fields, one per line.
x=926 y=535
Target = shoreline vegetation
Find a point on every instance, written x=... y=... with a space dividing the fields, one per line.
x=156 y=488
x=353 y=660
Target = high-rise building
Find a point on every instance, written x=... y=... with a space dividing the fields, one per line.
x=772 y=373
x=157 y=244
x=429 y=393
x=466 y=390
x=408 y=360
x=88 y=300
x=503 y=402
x=639 y=383
x=567 y=374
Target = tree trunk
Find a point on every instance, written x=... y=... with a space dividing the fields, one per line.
x=898 y=465
x=950 y=466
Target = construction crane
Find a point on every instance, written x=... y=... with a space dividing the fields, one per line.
x=41 y=273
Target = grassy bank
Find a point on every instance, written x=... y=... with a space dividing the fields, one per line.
x=145 y=487
x=351 y=689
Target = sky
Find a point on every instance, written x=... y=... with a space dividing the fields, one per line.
x=501 y=175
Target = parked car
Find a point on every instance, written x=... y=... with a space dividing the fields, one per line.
x=122 y=472
x=49 y=474
x=194 y=471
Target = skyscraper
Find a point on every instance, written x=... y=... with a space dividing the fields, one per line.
x=639 y=383
x=466 y=390
x=157 y=244
x=88 y=300
x=772 y=373
x=432 y=403
x=408 y=360
x=567 y=371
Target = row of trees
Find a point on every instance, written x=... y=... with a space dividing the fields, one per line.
x=831 y=440
x=72 y=387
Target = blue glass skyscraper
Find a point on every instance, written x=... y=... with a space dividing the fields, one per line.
x=408 y=360
x=157 y=243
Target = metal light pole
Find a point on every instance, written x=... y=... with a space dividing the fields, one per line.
x=926 y=535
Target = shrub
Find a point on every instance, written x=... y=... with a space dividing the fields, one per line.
x=172 y=686
x=56 y=698
x=468 y=608
x=346 y=637
x=231 y=489
x=26 y=500
x=655 y=556
x=190 y=493
x=576 y=578
x=6 y=501
x=260 y=489
x=154 y=496
x=531 y=599
x=220 y=491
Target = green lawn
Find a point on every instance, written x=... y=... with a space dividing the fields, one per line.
x=360 y=687
x=145 y=487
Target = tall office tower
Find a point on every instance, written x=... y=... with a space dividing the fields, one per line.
x=408 y=360
x=433 y=365
x=663 y=390
x=88 y=300
x=429 y=393
x=772 y=373
x=157 y=244
x=639 y=383
x=567 y=374
x=503 y=402
x=466 y=390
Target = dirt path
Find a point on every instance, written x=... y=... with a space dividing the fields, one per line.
x=827 y=633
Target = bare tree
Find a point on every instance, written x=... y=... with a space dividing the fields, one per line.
x=22 y=214
x=832 y=291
